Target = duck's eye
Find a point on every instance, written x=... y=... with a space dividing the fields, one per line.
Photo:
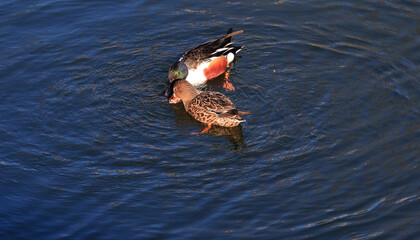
x=177 y=74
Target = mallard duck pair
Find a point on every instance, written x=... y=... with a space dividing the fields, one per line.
x=194 y=68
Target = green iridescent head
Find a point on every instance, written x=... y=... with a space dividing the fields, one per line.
x=178 y=71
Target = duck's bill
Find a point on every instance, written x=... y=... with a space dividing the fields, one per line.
x=173 y=100
x=169 y=94
x=169 y=91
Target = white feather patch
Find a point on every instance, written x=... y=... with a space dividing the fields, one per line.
x=230 y=57
x=196 y=76
x=219 y=50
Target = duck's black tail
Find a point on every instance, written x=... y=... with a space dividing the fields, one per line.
x=226 y=46
x=229 y=39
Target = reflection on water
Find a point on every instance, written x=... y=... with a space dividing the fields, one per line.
x=234 y=135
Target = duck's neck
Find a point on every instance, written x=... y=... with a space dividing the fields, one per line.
x=186 y=104
x=191 y=94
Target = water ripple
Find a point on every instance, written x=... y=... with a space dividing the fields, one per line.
x=90 y=150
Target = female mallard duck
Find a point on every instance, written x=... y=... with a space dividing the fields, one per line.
x=206 y=61
x=212 y=108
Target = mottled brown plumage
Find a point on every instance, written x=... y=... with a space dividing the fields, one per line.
x=212 y=108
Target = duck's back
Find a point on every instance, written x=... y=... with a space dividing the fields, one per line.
x=214 y=108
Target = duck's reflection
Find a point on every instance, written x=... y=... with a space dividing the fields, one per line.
x=233 y=134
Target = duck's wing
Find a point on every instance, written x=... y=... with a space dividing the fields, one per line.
x=217 y=103
x=215 y=48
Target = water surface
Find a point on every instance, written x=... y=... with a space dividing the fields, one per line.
x=91 y=151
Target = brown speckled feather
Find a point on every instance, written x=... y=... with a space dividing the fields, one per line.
x=214 y=108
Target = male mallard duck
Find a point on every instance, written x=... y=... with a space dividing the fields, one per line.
x=212 y=108
x=206 y=61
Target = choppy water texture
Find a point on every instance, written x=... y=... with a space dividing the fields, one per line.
x=89 y=149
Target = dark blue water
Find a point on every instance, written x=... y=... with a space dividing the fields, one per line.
x=89 y=149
